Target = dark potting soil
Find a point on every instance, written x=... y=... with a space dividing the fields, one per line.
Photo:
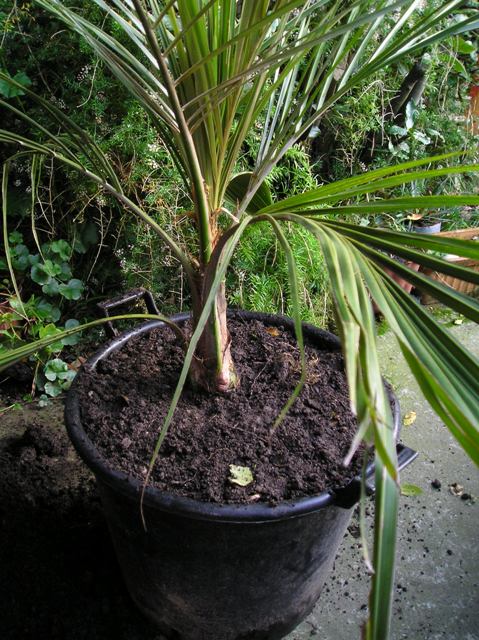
x=59 y=578
x=124 y=401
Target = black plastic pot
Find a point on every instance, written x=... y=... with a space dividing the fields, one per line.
x=220 y=572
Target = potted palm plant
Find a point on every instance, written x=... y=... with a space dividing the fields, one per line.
x=205 y=72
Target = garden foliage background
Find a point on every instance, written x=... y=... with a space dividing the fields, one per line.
x=68 y=241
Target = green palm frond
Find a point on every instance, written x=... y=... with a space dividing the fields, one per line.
x=218 y=65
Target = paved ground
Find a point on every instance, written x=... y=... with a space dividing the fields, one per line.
x=436 y=595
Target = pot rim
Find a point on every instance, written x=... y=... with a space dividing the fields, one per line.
x=344 y=497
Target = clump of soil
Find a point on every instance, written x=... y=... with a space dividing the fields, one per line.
x=124 y=401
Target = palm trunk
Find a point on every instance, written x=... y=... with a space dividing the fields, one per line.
x=212 y=368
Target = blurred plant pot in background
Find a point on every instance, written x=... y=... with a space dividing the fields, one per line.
x=428 y=227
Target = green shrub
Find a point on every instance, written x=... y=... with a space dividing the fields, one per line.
x=44 y=278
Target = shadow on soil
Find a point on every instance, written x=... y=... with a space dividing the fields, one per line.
x=59 y=577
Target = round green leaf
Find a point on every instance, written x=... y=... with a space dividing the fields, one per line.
x=52 y=268
x=72 y=290
x=21 y=263
x=89 y=234
x=43 y=400
x=48 y=330
x=79 y=247
x=75 y=338
x=39 y=274
x=53 y=390
x=21 y=250
x=15 y=237
x=45 y=311
x=67 y=378
x=55 y=314
x=55 y=369
x=51 y=287
x=66 y=272
x=62 y=248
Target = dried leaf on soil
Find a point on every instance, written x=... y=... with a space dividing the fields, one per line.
x=456 y=489
x=240 y=475
x=273 y=331
x=409 y=418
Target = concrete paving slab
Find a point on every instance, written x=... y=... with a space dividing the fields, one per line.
x=436 y=594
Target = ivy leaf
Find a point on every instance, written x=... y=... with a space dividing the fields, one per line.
x=43 y=310
x=20 y=257
x=22 y=78
x=72 y=290
x=16 y=305
x=55 y=314
x=460 y=68
x=88 y=237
